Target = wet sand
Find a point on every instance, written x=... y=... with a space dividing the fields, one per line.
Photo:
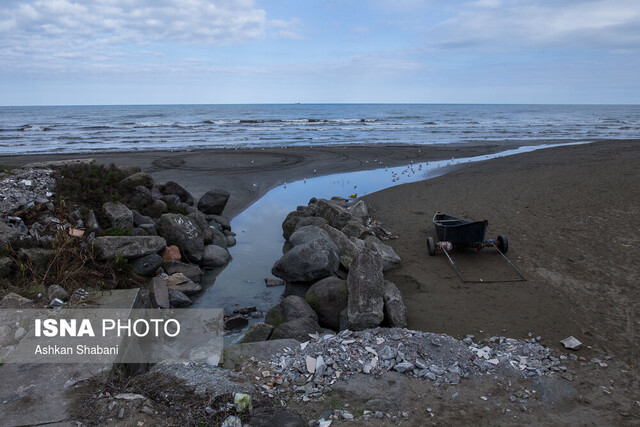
x=570 y=214
x=249 y=173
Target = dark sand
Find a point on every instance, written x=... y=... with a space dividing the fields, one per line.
x=249 y=173
x=571 y=216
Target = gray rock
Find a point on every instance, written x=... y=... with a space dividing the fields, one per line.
x=91 y=221
x=171 y=187
x=38 y=257
x=308 y=234
x=395 y=312
x=140 y=196
x=275 y=316
x=187 y=288
x=365 y=285
x=203 y=225
x=215 y=256
x=222 y=221
x=213 y=202
x=273 y=282
x=257 y=332
x=128 y=246
x=236 y=322
x=359 y=210
x=347 y=250
x=390 y=258
x=295 y=307
x=156 y=193
x=309 y=262
x=172 y=200
x=328 y=298
x=336 y=215
x=191 y=271
x=289 y=223
x=6 y=335
x=238 y=354
x=118 y=215
x=315 y=221
x=179 y=299
x=138 y=179
x=404 y=367
x=160 y=292
x=298 y=329
x=218 y=238
x=183 y=232
x=57 y=291
x=355 y=229
x=139 y=219
x=8 y=234
x=158 y=207
x=6 y=266
x=149 y=229
x=231 y=241
x=147 y=265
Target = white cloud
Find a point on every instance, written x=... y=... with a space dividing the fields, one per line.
x=572 y=23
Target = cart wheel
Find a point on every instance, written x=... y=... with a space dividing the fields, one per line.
x=431 y=245
x=503 y=244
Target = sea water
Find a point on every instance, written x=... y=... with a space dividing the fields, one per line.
x=86 y=129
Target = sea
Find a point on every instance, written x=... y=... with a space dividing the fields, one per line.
x=86 y=129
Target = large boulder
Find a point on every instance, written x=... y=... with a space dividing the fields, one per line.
x=289 y=223
x=390 y=259
x=308 y=234
x=213 y=202
x=365 y=308
x=140 y=196
x=118 y=215
x=127 y=246
x=297 y=329
x=147 y=265
x=395 y=312
x=203 y=225
x=347 y=250
x=183 y=232
x=179 y=299
x=6 y=266
x=160 y=292
x=355 y=229
x=257 y=332
x=191 y=271
x=174 y=188
x=308 y=262
x=336 y=215
x=328 y=298
x=295 y=307
x=139 y=219
x=215 y=256
x=218 y=238
x=139 y=178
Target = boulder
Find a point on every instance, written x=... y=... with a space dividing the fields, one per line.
x=203 y=225
x=257 y=332
x=336 y=215
x=297 y=329
x=289 y=223
x=215 y=256
x=57 y=291
x=309 y=262
x=308 y=234
x=347 y=250
x=390 y=259
x=180 y=282
x=38 y=257
x=91 y=222
x=156 y=193
x=275 y=316
x=218 y=238
x=355 y=229
x=171 y=253
x=8 y=234
x=174 y=188
x=13 y=300
x=191 y=271
x=118 y=215
x=213 y=202
x=160 y=292
x=127 y=246
x=235 y=322
x=295 y=307
x=395 y=312
x=231 y=241
x=179 y=299
x=147 y=265
x=172 y=200
x=158 y=207
x=310 y=220
x=140 y=196
x=365 y=308
x=359 y=210
x=138 y=179
x=328 y=298
x=222 y=221
x=139 y=219
x=183 y=232
x=6 y=266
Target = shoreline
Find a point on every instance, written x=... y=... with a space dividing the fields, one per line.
x=249 y=173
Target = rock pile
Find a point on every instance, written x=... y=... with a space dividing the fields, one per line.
x=314 y=365
x=334 y=271
x=155 y=228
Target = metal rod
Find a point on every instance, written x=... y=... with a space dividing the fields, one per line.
x=509 y=261
x=453 y=264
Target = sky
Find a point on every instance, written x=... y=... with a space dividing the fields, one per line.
x=68 y=52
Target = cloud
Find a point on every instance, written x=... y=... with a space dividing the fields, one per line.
x=504 y=24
